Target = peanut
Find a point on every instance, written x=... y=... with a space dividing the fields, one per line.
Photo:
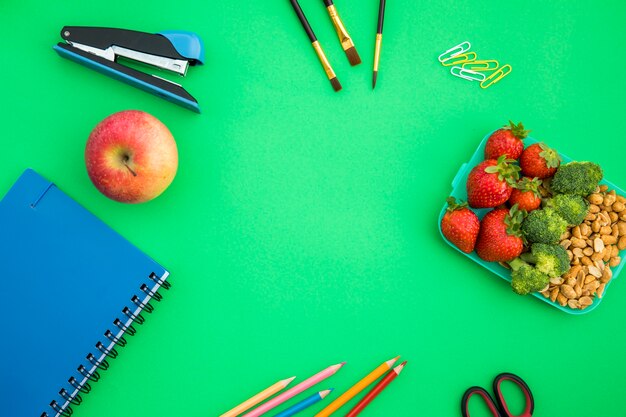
x=605 y=230
x=595 y=271
x=621 y=244
x=609 y=239
x=585 y=230
x=609 y=199
x=554 y=293
x=615 y=261
x=568 y=291
x=598 y=245
x=595 y=199
x=595 y=226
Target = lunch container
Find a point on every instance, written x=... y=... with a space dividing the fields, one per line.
x=460 y=193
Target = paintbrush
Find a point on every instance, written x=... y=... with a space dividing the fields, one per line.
x=379 y=41
x=346 y=41
x=316 y=45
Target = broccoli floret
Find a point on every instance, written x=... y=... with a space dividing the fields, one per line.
x=579 y=178
x=526 y=278
x=573 y=208
x=552 y=260
x=543 y=226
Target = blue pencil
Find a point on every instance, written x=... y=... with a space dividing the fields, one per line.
x=304 y=404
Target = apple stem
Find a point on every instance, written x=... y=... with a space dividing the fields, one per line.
x=130 y=169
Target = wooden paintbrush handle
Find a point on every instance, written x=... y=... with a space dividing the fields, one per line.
x=381 y=16
x=305 y=23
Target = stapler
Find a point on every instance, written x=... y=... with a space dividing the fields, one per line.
x=98 y=48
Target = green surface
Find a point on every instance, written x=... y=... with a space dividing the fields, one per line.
x=301 y=228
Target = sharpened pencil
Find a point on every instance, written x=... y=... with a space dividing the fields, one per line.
x=382 y=384
x=379 y=41
x=316 y=45
x=304 y=404
x=346 y=41
x=292 y=392
x=356 y=388
x=261 y=396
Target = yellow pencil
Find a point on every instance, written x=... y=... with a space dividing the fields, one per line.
x=356 y=388
x=251 y=402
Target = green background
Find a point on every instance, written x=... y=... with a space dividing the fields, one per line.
x=301 y=228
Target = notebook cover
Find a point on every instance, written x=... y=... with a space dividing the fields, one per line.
x=66 y=277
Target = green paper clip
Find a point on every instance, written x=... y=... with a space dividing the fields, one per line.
x=459 y=59
x=497 y=75
x=467 y=74
x=455 y=50
x=482 y=65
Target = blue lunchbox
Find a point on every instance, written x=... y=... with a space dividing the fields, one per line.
x=460 y=193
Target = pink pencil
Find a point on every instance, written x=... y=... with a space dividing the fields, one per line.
x=304 y=385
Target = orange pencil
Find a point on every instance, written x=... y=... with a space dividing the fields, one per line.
x=356 y=388
x=382 y=384
x=252 y=401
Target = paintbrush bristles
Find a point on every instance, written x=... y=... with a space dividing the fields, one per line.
x=353 y=56
x=335 y=83
x=374 y=76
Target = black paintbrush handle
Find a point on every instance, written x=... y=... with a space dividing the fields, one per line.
x=381 y=16
x=328 y=2
x=302 y=17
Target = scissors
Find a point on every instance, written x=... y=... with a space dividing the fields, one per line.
x=498 y=407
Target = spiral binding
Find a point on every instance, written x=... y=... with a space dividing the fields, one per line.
x=89 y=372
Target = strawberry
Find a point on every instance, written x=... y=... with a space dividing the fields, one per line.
x=499 y=238
x=538 y=160
x=490 y=183
x=460 y=225
x=506 y=141
x=526 y=194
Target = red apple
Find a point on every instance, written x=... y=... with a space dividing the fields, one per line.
x=131 y=157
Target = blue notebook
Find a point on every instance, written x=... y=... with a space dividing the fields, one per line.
x=71 y=290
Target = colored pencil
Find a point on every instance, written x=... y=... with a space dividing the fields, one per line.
x=316 y=45
x=319 y=396
x=391 y=375
x=379 y=41
x=346 y=41
x=292 y=392
x=261 y=396
x=356 y=388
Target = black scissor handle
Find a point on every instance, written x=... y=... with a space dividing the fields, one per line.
x=528 y=395
x=481 y=392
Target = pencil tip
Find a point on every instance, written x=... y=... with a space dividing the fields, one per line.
x=288 y=380
x=399 y=368
x=324 y=393
x=343 y=363
x=390 y=362
x=374 y=76
x=353 y=56
x=335 y=83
